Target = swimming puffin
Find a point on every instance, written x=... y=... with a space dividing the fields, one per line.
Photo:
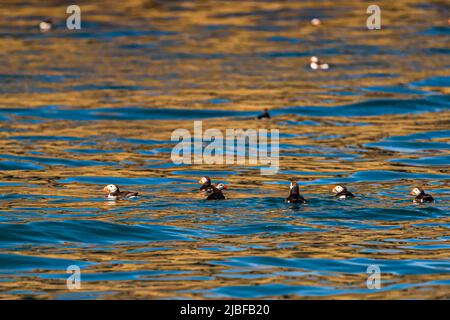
x=316 y=64
x=294 y=194
x=213 y=192
x=265 y=114
x=46 y=25
x=341 y=192
x=114 y=193
x=421 y=196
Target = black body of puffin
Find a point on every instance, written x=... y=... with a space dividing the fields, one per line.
x=421 y=196
x=294 y=195
x=114 y=192
x=212 y=192
x=341 y=192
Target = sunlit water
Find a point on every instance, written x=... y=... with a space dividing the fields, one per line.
x=82 y=109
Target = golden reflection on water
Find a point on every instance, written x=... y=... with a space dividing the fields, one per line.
x=341 y=244
x=191 y=65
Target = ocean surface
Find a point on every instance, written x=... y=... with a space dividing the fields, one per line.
x=80 y=109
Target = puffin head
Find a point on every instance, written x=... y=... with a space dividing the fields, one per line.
x=315 y=22
x=221 y=186
x=46 y=25
x=339 y=188
x=314 y=59
x=293 y=185
x=416 y=191
x=204 y=180
x=111 y=188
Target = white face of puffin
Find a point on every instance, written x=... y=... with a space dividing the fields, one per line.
x=203 y=180
x=314 y=59
x=338 y=189
x=110 y=188
x=315 y=22
x=45 y=26
x=221 y=186
x=416 y=191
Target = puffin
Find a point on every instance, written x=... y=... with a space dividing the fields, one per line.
x=294 y=194
x=341 y=192
x=213 y=192
x=46 y=25
x=421 y=196
x=114 y=193
x=317 y=64
x=264 y=115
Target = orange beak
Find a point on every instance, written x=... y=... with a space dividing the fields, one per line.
x=105 y=190
x=225 y=187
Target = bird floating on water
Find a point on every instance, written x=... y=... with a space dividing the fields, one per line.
x=114 y=192
x=212 y=192
x=421 y=196
x=317 y=64
x=341 y=192
x=294 y=194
